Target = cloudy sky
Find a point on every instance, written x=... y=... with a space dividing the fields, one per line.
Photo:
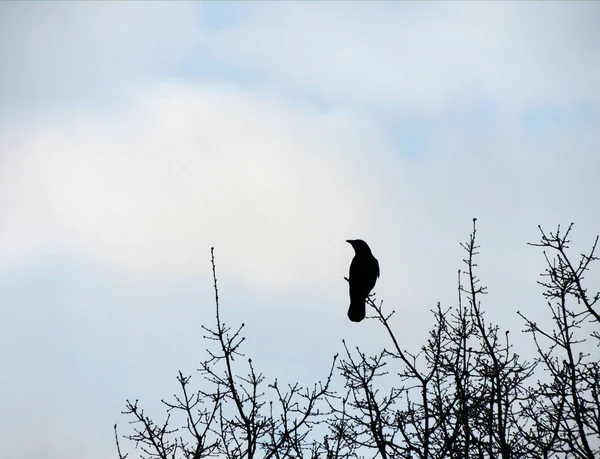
x=135 y=136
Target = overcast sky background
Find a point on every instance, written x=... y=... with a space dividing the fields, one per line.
x=133 y=137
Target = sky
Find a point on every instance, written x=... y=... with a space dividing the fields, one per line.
x=136 y=136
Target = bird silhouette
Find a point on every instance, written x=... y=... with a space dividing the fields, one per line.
x=364 y=271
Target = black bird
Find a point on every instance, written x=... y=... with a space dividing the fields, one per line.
x=364 y=271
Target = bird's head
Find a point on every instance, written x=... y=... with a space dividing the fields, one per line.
x=360 y=246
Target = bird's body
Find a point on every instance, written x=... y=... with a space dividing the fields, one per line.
x=364 y=271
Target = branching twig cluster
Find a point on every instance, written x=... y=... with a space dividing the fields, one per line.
x=565 y=408
x=234 y=418
x=464 y=394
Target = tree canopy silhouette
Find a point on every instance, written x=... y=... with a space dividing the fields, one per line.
x=464 y=393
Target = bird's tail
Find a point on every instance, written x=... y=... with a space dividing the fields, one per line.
x=356 y=311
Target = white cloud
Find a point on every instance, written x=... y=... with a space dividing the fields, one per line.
x=182 y=169
x=57 y=48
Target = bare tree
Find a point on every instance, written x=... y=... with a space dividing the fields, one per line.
x=465 y=393
x=233 y=418
x=565 y=409
x=457 y=397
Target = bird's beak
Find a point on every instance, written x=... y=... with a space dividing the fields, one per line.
x=349 y=241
